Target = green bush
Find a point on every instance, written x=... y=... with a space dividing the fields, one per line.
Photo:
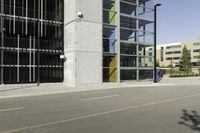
x=181 y=76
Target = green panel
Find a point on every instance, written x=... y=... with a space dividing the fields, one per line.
x=112 y=14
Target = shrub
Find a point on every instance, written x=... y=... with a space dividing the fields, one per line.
x=182 y=76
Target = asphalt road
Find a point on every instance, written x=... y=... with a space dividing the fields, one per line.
x=172 y=109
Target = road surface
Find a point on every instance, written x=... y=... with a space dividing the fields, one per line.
x=172 y=109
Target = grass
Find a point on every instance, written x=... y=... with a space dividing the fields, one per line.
x=182 y=76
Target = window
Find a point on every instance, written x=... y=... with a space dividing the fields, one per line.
x=168 y=58
x=196 y=50
x=173 y=47
x=176 y=52
x=161 y=54
x=176 y=58
x=128 y=61
x=173 y=52
x=150 y=58
x=109 y=41
x=168 y=52
x=196 y=57
x=128 y=75
x=173 y=58
x=196 y=44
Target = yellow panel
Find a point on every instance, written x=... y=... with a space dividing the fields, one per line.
x=113 y=70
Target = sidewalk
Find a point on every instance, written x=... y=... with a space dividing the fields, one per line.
x=25 y=90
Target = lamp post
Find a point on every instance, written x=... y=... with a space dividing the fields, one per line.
x=155 y=39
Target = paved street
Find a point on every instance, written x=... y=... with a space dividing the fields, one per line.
x=122 y=110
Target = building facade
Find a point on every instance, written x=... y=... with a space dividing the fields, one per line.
x=76 y=41
x=31 y=38
x=170 y=54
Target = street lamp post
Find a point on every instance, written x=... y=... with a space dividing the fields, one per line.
x=155 y=39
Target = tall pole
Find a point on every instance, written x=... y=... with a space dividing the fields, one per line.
x=118 y=41
x=155 y=39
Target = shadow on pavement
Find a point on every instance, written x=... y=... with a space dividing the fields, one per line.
x=190 y=119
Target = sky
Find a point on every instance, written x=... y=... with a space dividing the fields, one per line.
x=178 y=20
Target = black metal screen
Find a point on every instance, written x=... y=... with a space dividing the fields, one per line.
x=31 y=37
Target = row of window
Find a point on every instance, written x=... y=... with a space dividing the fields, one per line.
x=31 y=28
x=11 y=42
x=173 y=58
x=196 y=44
x=178 y=58
x=173 y=47
x=127 y=74
x=179 y=52
x=173 y=52
x=29 y=75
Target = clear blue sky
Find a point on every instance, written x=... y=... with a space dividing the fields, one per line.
x=178 y=20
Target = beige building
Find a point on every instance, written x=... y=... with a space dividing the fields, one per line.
x=169 y=54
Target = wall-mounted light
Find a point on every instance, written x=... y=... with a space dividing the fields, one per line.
x=62 y=57
x=80 y=14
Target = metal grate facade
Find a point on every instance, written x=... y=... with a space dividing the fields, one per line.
x=31 y=38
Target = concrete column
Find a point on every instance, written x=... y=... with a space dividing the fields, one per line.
x=118 y=40
x=83 y=42
x=69 y=41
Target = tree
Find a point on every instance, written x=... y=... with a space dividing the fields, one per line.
x=198 y=63
x=185 y=62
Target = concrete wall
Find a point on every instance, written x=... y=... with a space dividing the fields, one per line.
x=83 y=42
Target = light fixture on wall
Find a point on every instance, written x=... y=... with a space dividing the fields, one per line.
x=80 y=14
x=62 y=57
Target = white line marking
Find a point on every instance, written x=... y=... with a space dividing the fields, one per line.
x=11 y=109
x=99 y=114
x=96 y=98
x=152 y=91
